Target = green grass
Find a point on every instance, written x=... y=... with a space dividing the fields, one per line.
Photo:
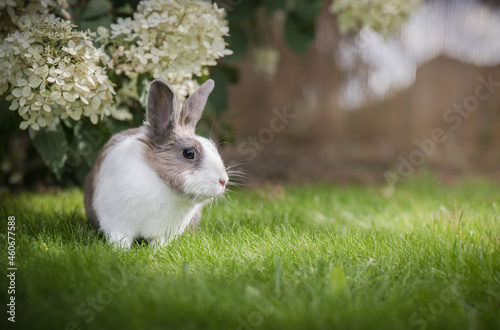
x=423 y=256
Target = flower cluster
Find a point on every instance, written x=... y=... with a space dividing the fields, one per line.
x=266 y=61
x=20 y=14
x=52 y=70
x=169 y=39
x=380 y=15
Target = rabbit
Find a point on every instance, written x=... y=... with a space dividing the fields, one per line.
x=151 y=182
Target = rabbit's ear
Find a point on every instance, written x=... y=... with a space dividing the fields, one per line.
x=163 y=111
x=191 y=112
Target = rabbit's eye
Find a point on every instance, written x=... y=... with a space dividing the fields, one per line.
x=188 y=153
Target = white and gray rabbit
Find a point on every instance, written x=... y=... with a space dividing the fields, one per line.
x=151 y=182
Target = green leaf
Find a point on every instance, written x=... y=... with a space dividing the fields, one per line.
x=298 y=33
x=93 y=24
x=79 y=173
x=88 y=140
x=242 y=10
x=52 y=145
x=337 y=280
x=308 y=10
x=237 y=40
x=114 y=126
x=9 y=124
x=96 y=8
x=300 y=24
x=223 y=76
x=127 y=8
x=273 y=5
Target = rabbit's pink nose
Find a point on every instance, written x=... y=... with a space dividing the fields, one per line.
x=222 y=182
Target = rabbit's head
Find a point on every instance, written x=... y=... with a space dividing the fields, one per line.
x=189 y=164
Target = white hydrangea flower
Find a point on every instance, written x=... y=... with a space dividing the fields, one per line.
x=379 y=15
x=51 y=70
x=20 y=14
x=265 y=61
x=169 y=39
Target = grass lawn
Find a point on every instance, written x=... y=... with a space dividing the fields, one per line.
x=422 y=256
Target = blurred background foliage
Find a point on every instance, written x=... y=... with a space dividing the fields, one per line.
x=64 y=153
x=365 y=95
x=365 y=79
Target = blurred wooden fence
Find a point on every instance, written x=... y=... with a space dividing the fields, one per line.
x=327 y=142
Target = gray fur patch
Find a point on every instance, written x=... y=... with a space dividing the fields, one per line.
x=168 y=162
x=163 y=111
x=193 y=108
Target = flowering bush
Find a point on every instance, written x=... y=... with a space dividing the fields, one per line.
x=19 y=15
x=54 y=76
x=169 y=39
x=60 y=83
x=53 y=71
x=380 y=15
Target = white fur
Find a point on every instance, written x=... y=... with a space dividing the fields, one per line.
x=132 y=201
x=206 y=181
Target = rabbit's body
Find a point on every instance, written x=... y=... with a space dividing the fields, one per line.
x=141 y=187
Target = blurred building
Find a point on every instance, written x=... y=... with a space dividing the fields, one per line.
x=361 y=101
